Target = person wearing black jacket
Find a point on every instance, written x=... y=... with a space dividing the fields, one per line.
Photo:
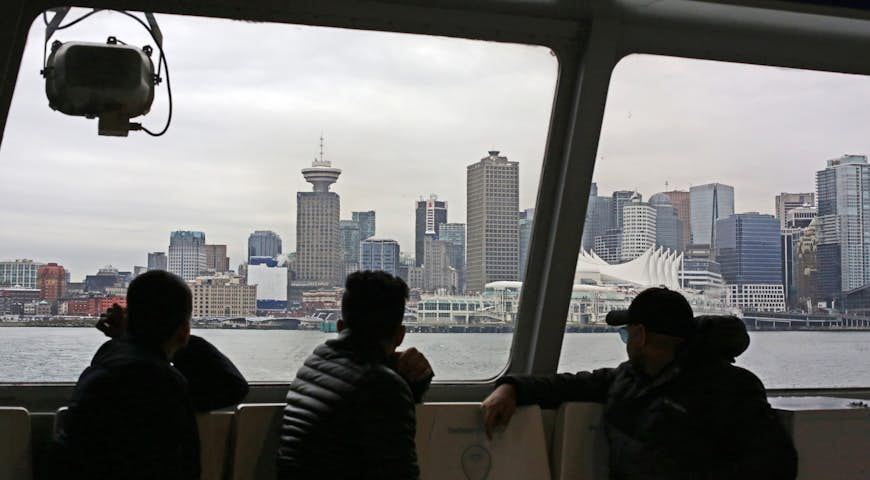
x=132 y=413
x=678 y=408
x=350 y=411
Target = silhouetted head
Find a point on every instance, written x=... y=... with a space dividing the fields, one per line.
x=159 y=305
x=657 y=323
x=373 y=306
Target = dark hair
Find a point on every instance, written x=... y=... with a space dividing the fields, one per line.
x=158 y=302
x=373 y=304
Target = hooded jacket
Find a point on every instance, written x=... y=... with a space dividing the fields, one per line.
x=700 y=418
x=349 y=416
x=132 y=413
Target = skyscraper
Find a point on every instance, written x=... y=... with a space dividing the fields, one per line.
x=638 y=229
x=438 y=273
x=599 y=217
x=366 y=221
x=680 y=201
x=669 y=227
x=318 y=247
x=749 y=249
x=786 y=202
x=19 y=272
x=350 y=238
x=608 y=246
x=843 y=251
x=264 y=243
x=527 y=216
x=379 y=254
x=216 y=259
x=157 y=261
x=455 y=234
x=709 y=203
x=51 y=281
x=493 y=230
x=187 y=257
x=429 y=214
x=618 y=201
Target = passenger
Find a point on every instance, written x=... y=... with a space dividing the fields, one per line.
x=132 y=413
x=677 y=408
x=350 y=410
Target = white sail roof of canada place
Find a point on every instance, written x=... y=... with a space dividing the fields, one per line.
x=655 y=267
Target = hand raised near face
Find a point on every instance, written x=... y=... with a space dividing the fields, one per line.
x=113 y=323
x=413 y=365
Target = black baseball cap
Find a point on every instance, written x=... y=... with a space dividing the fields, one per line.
x=659 y=310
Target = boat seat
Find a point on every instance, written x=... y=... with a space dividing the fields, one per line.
x=254 y=444
x=580 y=449
x=452 y=444
x=214 y=431
x=15 y=441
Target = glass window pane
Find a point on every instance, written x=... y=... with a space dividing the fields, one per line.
x=295 y=155
x=728 y=182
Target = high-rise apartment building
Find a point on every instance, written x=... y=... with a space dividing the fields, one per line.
x=669 y=227
x=429 y=214
x=527 y=216
x=680 y=201
x=455 y=234
x=438 y=274
x=843 y=252
x=493 y=231
x=806 y=271
x=20 y=272
x=599 y=217
x=216 y=259
x=51 y=282
x=350 y=238
x=609 y=246
x=264 y=243
x=709 y=203
x=187 y=257
x=638 y=230
x=618 y=200
x=366 y=221
x=379 y=254
x=318 y=242
x=157 y=261
x=749 y=249
x=785 y=202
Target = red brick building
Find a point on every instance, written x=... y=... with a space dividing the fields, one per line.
x=51 y=281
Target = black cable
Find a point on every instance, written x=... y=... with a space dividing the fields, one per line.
x=70 y=24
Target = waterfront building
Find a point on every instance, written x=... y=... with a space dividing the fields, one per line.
x=51 y=282
x=785 y=202
x=157 y=261
x=318 y=247
x=20 y=272
x=223 y=296
x=366 y=222
x=701 y=273
x=680 y=201
x=527 y=216
x=749 y=249
x=638 y=229
x=351 y=236
x=609 y=246
x=216 y=259
x=429 y=214
x=843 y=252
x=492 y=229
x=669 y=227
x=271 y=283
x=187 y=254
x=379 y=254
x=264 y=243
x=455 y=234
x=709 y=203
x=13 y=299
x=599 y=216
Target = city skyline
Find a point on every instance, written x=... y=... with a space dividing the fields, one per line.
x=670 y=123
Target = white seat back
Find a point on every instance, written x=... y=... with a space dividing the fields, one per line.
x=580 y=449
x=15 y=458
x=214 y=433
x=256 y=429
x=452 y=444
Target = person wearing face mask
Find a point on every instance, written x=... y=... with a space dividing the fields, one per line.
x=678 y=408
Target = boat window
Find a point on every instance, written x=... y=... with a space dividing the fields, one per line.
x=746 y=188
x=295 y=155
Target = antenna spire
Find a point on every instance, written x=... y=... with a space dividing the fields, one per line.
x=321 y=147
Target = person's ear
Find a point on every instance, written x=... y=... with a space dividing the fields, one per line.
x=641 y=335
x=339 y=326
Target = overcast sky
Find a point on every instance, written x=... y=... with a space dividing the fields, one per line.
x=402 y=116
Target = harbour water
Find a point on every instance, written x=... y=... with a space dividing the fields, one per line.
x=780 y=359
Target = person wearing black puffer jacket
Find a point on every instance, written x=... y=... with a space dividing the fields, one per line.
x=350 y=411
x=678 y=408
